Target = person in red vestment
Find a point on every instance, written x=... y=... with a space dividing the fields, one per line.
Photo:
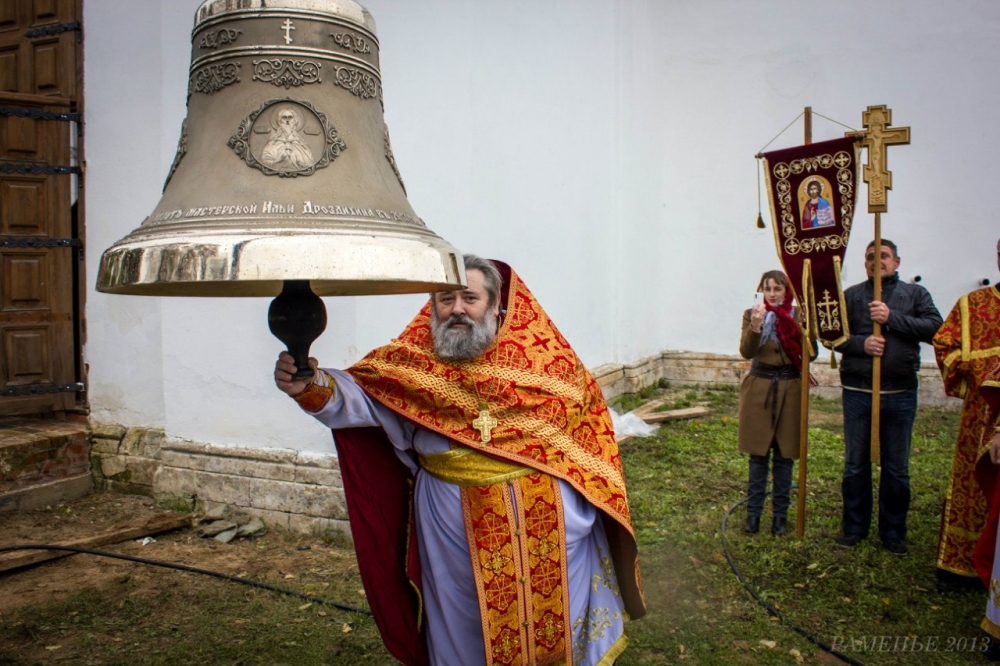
x=967 y=348
x=984 y=554
x=483 y=483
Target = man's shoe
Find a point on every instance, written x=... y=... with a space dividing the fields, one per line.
x=778 y=524
x=752 y=526
x=895 y=546
x=848 y=540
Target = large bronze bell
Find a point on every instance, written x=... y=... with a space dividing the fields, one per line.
x=284 y=176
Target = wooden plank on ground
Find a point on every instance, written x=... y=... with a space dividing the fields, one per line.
x=676 y=414
x=647 y=407
x=134 y=530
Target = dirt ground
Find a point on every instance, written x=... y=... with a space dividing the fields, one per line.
x=286 y=555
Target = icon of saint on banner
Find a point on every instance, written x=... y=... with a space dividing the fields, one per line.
x=815 y=204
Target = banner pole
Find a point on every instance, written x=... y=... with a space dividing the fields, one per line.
x=800 y=528
x=800 y=525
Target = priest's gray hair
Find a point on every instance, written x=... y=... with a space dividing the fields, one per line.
x=492 y=280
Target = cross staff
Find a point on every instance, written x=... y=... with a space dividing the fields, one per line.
x=877 y=137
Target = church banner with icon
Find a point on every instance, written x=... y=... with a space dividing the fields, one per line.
x=812 y=190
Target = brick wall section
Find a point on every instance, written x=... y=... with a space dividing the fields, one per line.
x=34 y=452
x=42 y=463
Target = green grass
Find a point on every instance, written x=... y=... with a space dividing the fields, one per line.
x=628 y=401
x=681 y=484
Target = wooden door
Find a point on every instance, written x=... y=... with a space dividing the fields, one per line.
x=40 y=247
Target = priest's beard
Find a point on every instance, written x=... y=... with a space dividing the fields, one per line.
x=453 y=344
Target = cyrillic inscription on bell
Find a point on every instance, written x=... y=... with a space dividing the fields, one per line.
x=284 y=170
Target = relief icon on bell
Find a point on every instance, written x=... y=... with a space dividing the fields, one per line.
x=284 y=137
x=285 y=149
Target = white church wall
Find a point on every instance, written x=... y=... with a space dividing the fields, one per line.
x=604 y=149
x=737 y=75
x=502 y=118
x=125 y=130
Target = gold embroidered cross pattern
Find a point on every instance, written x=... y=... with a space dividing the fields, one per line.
x=829 y=312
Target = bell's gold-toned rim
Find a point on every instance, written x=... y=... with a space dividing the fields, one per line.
x=335 y=265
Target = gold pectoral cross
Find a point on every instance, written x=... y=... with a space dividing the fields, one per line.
x=484 y=424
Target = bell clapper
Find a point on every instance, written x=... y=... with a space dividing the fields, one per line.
x=297 y=316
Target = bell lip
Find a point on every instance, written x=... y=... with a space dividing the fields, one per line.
x=347 y=9
x=258 y=266
x=271 y=288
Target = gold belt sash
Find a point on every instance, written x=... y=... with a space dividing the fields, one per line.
x=465 y=467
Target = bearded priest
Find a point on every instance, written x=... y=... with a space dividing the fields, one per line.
x=483 y=484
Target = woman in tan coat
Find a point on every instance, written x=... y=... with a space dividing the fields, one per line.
x=770 y=398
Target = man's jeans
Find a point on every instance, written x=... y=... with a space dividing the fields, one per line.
x=896 y=416
x=757 y=484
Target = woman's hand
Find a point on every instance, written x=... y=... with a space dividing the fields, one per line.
x=757 y=317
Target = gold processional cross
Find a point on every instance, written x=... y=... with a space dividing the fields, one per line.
x=484 y=424
x=878 y=137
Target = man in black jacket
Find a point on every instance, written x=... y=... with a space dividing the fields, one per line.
x=908 y=317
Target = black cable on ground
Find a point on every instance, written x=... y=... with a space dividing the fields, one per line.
x=768 y=607
x=184 y=567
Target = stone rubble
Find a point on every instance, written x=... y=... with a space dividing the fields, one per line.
x=224 y=525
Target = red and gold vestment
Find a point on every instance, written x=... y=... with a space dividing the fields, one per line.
x=551 y=422
x=967 y=348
